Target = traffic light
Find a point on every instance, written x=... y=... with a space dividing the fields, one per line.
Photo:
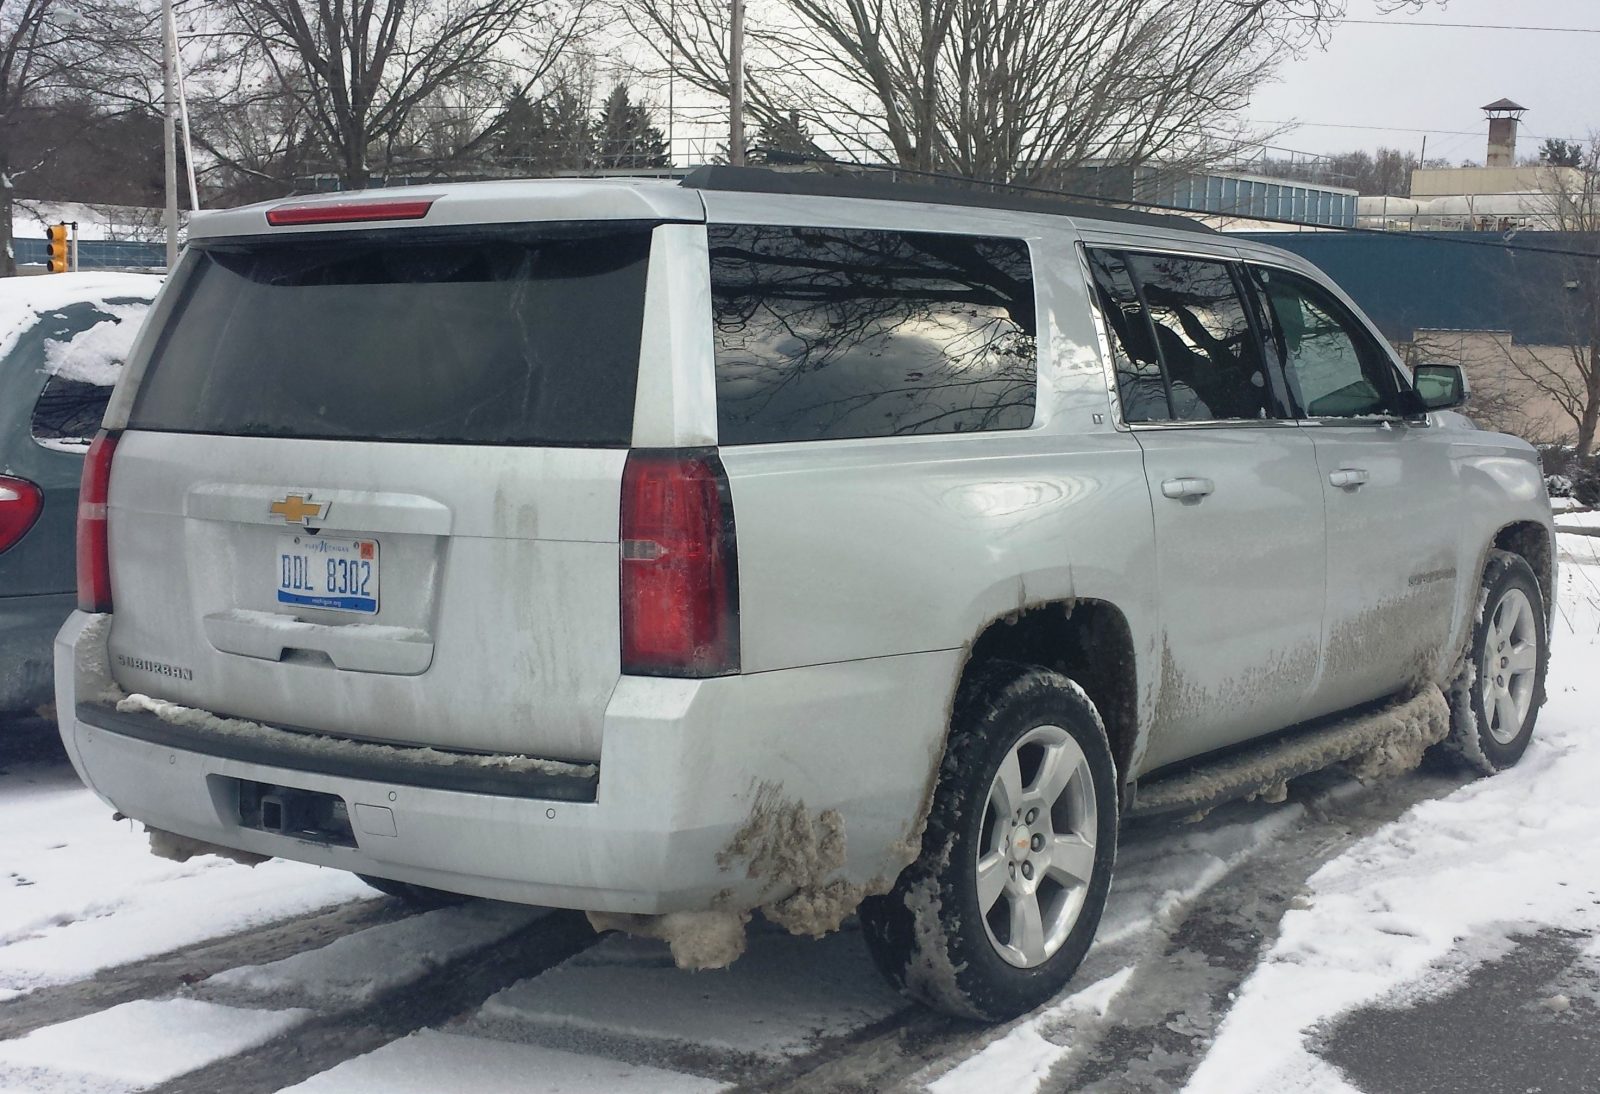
x=59 y=255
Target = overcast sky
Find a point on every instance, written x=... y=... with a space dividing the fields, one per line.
x=1389 y=80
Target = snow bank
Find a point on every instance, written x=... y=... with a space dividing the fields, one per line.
x=95 y=220
x=1454 y=878
x=137 y=1045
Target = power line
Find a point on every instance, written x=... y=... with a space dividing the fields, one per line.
x=1468 y=26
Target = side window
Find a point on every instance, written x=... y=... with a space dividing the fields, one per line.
x=1214 y=367
x=825 y=333
x=1140 y=383
x=69 y=411
x=1332 y=366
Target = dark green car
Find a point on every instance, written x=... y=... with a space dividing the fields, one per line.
x=63 y=338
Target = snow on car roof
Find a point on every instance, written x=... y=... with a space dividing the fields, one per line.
x=24 y=299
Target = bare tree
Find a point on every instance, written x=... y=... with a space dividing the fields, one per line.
x=1571 y=378
x=992 y=90
x=392 y=86
x=53 y=50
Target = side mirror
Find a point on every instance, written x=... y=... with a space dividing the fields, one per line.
x=1442 y=387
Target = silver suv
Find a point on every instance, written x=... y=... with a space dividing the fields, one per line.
x=775 y=542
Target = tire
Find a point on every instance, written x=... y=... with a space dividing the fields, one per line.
x=1495 y=699
x=415 y=896
x=970 y=948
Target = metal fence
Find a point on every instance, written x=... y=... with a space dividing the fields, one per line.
x=96 y=254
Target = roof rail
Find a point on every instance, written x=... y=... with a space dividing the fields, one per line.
x=757 y=180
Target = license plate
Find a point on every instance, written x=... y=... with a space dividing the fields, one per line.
x=327 y=572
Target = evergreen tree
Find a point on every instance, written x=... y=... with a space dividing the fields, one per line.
x=625 y=139
x=786 y=136
x=1559 y=153
x=551 y=136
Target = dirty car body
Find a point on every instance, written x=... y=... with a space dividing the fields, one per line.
x=627 y=546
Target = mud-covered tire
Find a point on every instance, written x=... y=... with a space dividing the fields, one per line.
x=416 y=896
x=929 y=936
x=1480 y=736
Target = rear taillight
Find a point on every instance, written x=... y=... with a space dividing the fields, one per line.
x=20 y=505
x=680 y=580
x=94 y=554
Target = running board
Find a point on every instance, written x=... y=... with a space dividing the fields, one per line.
x=1386 y=740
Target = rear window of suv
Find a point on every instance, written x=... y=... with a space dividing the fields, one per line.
x=519 y=336
x=828 y=333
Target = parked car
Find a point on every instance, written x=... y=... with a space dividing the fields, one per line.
x=62 y=341
x=775 y=542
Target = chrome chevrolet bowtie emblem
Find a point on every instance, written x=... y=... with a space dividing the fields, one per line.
x=297 y=509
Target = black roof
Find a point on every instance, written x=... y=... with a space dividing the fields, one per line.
x=756 y=180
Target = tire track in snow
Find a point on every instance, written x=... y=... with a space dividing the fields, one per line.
x=446 y=992
x=1160 y=1027
x=165 y=973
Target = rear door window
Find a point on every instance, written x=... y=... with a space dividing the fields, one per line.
x=826 y=333
x=526 y=336
x=1141 y=385
x=80 y=348
x=1214 y=366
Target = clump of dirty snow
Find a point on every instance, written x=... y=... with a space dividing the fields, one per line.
x=292 y=743
x=698 y=940
x=93 y=657
x=1379 y=743
x=1407 y=730
x=786 y=846
x=930 y=973
x=170 y=845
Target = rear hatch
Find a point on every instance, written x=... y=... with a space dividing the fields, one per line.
x=370 y=482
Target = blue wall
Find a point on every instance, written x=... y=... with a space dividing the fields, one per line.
x=1445 y=281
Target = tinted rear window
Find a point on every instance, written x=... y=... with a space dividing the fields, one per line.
x=503 y=338
x=832 y=332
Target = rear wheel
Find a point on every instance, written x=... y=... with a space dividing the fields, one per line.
x=999 y=909
x=416 y=896
x=1495 y=700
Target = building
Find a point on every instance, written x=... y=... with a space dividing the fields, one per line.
x=1498 y=197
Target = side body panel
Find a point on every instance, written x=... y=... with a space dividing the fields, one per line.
x=854 y=549
x=1392 y=558
x=1241 y=575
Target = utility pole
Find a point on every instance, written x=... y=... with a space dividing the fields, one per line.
x=169 y=55
x=736 y=85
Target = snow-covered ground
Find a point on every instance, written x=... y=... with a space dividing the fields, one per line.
x=1394 y=893
x=1412 y=908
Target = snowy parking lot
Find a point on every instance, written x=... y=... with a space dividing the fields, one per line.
x=1426 y=933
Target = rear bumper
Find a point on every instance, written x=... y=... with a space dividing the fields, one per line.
x=686 y=766
x=27 y=626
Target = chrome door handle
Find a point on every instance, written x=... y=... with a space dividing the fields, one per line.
x=1347 y=478
x=1187 y=488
